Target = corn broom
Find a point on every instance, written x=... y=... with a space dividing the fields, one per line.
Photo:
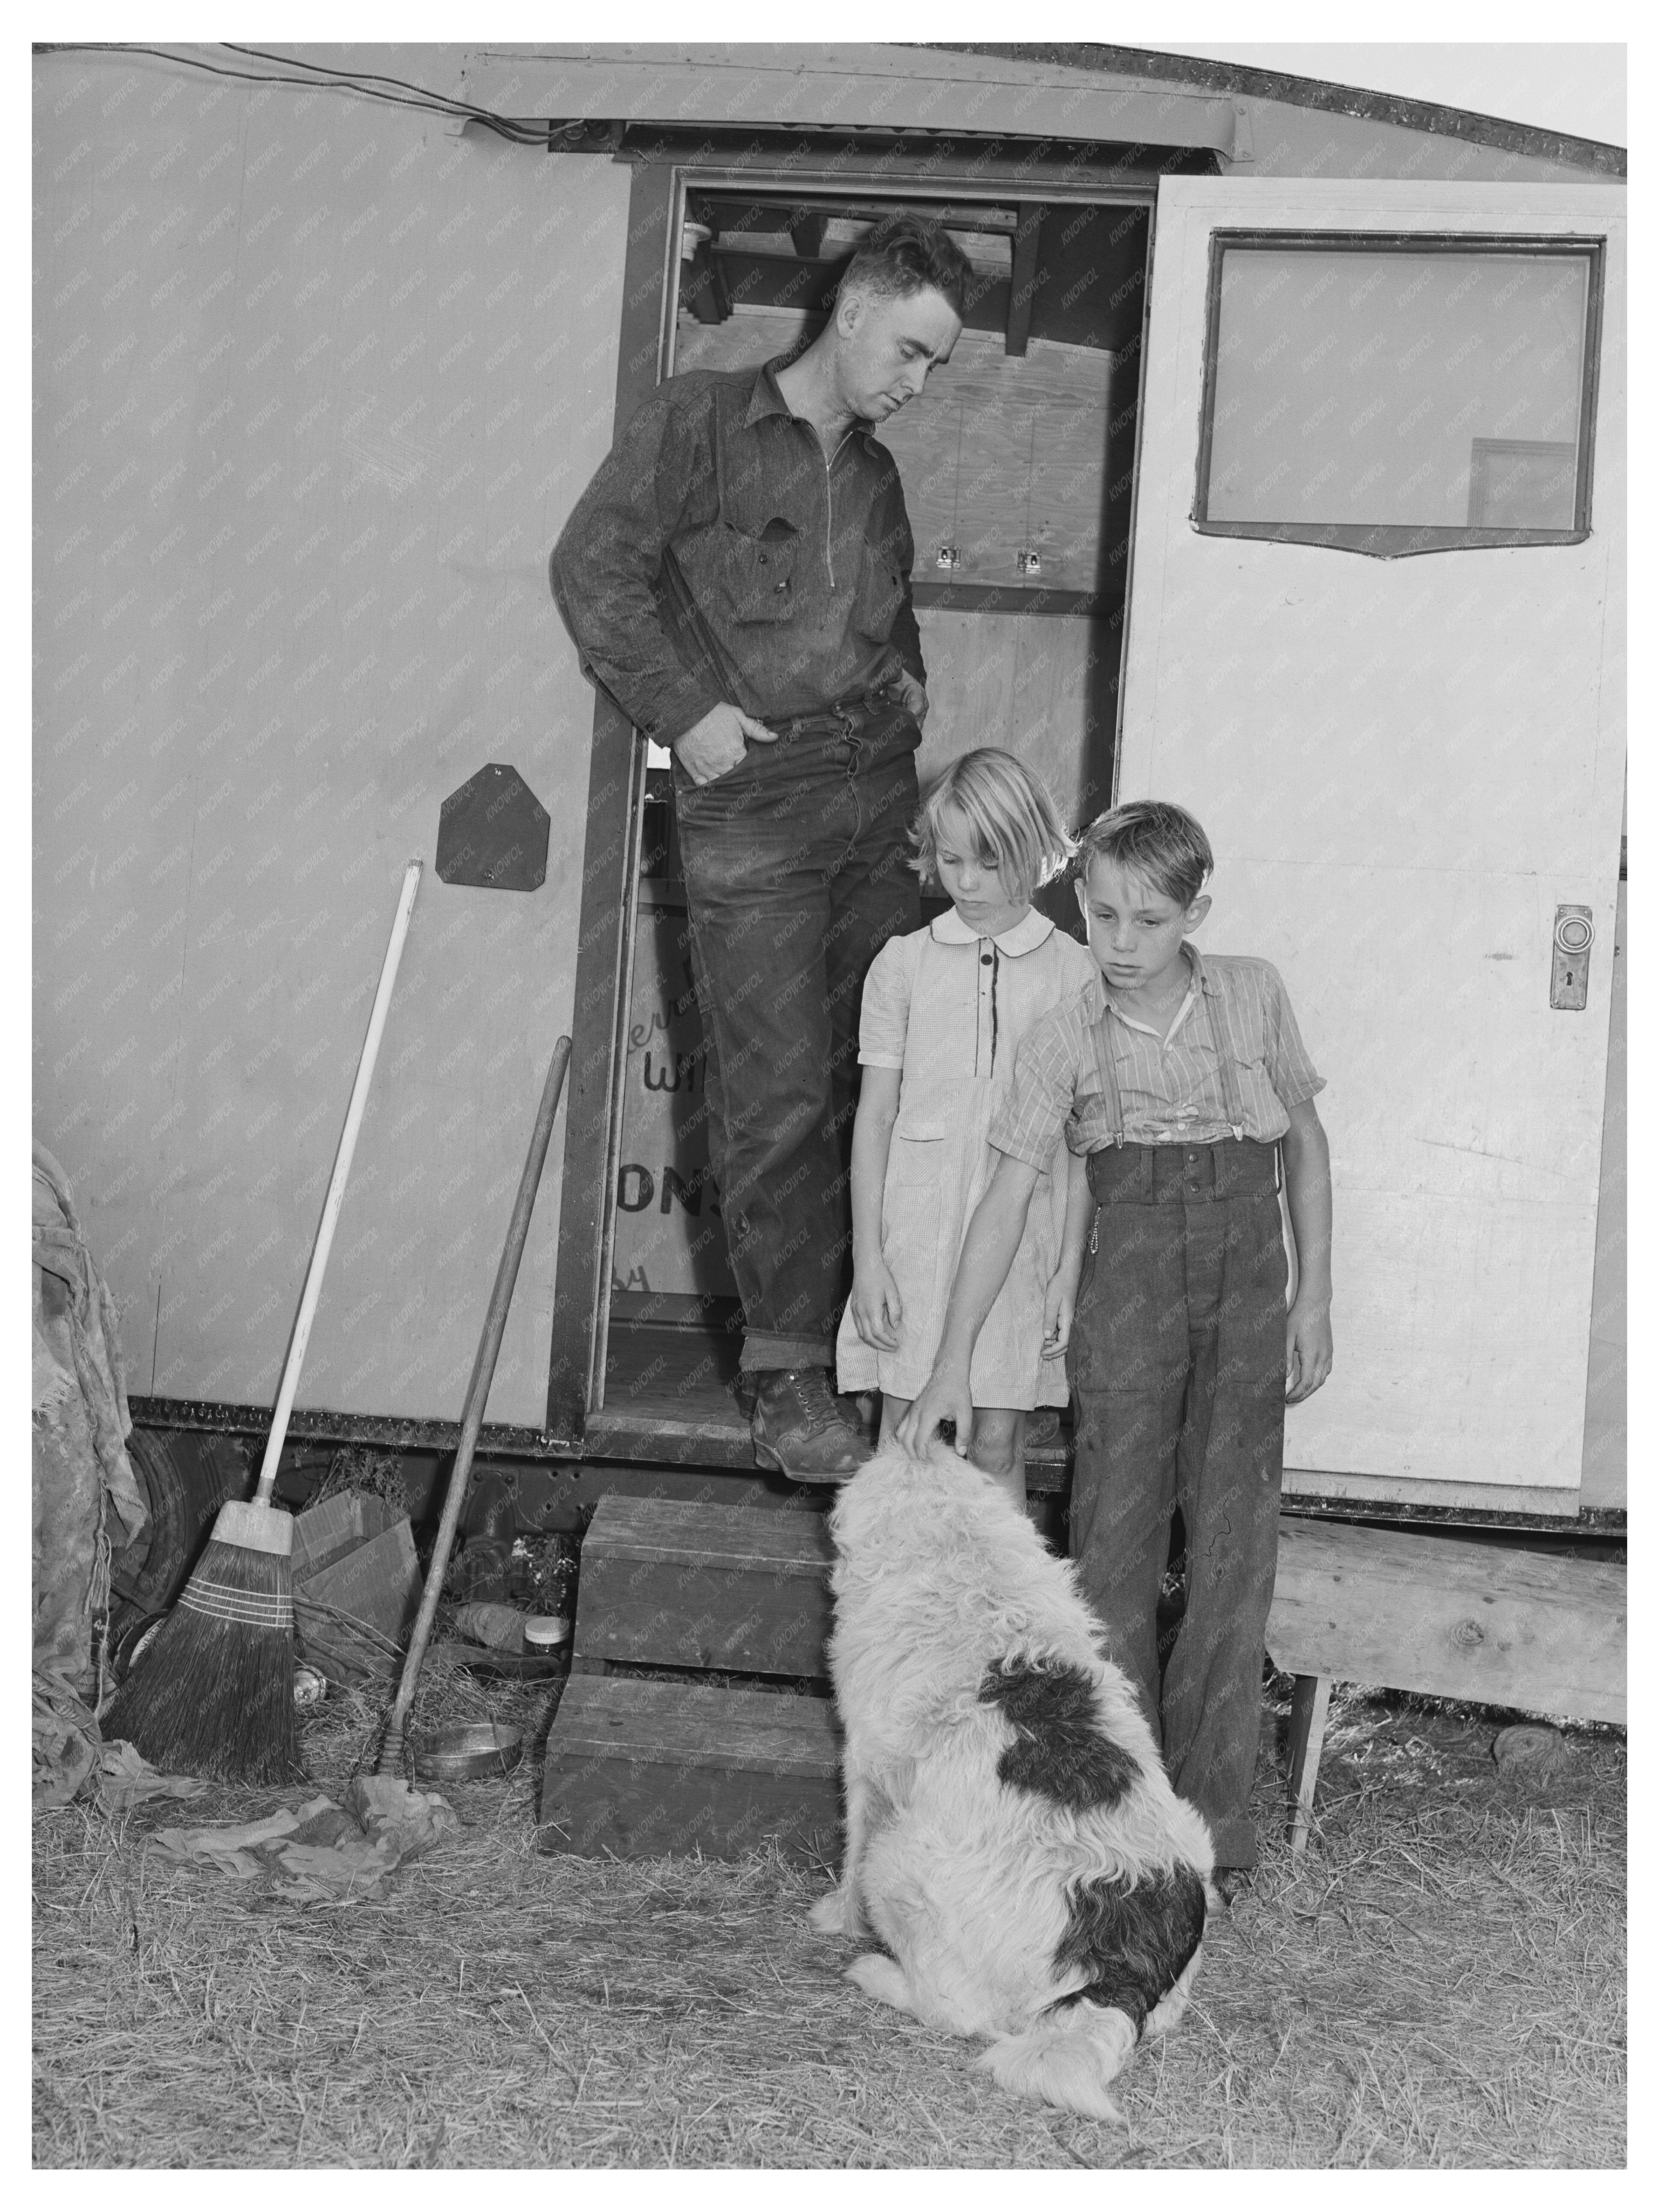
x=214 y=1692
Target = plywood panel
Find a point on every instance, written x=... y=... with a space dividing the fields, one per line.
x=318 y=382
x=1405 y=767
x=1065 y=706
x=1035 y=684
x=669 y=1235
x=999 y=453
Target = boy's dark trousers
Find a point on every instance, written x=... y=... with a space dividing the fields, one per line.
x=1177 y=1361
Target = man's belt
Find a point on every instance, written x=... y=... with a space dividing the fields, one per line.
x=846 y=717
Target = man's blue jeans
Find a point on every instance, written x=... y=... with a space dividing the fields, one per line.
x=796 y=873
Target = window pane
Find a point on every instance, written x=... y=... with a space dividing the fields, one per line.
x=1359 y=386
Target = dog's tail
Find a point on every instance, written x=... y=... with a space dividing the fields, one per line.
x=1067 y=2058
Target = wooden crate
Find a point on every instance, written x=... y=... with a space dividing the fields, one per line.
x=644 y=1770
x=666 y=1583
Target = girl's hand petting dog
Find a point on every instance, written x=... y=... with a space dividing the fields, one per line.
x=945 y=1396
x=878 y=1309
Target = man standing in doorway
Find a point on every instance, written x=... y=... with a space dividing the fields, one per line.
x=737 y=577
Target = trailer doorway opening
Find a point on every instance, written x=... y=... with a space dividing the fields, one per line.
x=1018 y=462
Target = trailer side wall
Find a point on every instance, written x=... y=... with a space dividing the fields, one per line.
x=317 y=381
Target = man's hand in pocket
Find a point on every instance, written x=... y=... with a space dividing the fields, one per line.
x=715 y=746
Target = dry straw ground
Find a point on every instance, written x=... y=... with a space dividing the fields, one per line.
x=1440 y=1982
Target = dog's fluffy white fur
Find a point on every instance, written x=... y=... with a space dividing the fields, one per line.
x=1003 y=1876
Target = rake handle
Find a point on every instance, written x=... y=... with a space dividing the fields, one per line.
x=336 y=1198
x=477 y=1394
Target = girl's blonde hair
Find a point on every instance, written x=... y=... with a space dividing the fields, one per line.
x=1008 y=810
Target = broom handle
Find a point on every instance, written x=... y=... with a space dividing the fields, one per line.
x=331 y=1204
x=477 y=1394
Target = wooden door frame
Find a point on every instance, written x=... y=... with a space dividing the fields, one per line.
x=617 y=789
x=610 y=872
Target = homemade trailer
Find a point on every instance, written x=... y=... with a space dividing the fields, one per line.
x=1280 y=471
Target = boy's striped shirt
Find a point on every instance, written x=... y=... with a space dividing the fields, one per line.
x=1170 y=1090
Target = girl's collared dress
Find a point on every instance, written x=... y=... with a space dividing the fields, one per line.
x=949 y=1009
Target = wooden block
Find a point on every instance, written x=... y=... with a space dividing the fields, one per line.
x=644 y=1770
x=325 y=1533
x=1309 y=1707
x=668 y=1583
x=1450 y=1618
x=353 y=1612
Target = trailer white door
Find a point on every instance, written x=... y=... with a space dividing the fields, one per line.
x=1408 y=766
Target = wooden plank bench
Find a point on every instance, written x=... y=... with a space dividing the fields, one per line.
x=1443 y=1616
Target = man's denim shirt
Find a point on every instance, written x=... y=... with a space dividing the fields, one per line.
x=717 y=556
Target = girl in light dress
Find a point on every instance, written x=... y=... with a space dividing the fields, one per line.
x=942 y=1016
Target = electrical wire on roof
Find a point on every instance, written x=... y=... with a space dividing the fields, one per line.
x=391 y=91
x=1029 y=558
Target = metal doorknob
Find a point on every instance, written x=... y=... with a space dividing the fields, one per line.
x=1574 y=933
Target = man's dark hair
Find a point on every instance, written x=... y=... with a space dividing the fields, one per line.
x=908 y=253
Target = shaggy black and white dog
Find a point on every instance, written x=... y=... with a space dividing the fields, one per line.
x=1012 y=1836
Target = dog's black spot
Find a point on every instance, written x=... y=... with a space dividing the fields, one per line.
x=1057 y=1751
x=1134 y=1942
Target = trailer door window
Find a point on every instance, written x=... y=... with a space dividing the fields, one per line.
x=1399 y=395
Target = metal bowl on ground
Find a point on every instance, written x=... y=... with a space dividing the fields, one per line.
x=466 y=1754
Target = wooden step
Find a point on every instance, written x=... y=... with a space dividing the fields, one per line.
x=666 y=1583
x=706 y=1429
x=669 y=1398
x=645 y=1770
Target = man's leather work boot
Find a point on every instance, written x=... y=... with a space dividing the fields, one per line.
x=800 y=1430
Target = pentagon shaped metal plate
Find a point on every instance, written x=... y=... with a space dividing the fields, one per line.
x=492 y=833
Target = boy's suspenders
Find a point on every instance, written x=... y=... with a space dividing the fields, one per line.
x=1106 y=1069
x=1233 y=1104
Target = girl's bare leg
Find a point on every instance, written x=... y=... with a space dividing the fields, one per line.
x=999 y=1447
x=893 y=1411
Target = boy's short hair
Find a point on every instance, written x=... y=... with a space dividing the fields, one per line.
x=1009 y=811
x=906 y=254
x=1154 y=840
